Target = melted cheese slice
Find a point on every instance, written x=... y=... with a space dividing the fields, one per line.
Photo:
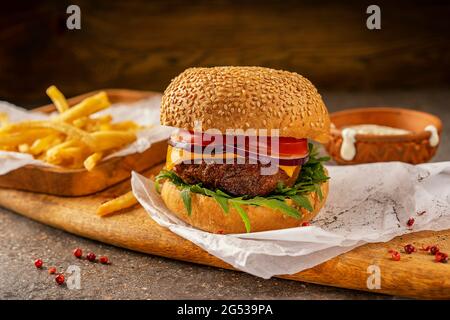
x=288 y=169
x=177 y=155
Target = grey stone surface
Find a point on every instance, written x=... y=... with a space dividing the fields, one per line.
x=137 y=276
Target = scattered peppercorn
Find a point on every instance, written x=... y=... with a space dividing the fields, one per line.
x=306 y=224
x=104 y=260
x=77 y=253
x=434 y=250
x=441 y=257
x=395 y=255
x=91 y=256
x=59 y=279
x=52 y=270
x=38 y=263
x=410 y=222
x=409 y=248
x=421 y=213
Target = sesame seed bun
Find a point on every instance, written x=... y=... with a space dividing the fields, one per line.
x=207 y=215
x=246 y=97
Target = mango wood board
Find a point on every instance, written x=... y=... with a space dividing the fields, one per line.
x=415 y=275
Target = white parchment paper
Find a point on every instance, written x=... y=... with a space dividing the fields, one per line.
x=366 y=203
x=144 y=112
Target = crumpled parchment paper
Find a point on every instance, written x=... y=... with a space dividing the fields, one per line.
x=144 y=112
x=367 y=203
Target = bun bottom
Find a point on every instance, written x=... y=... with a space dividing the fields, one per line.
x=207 y=215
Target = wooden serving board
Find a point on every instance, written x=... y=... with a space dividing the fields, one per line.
x=415 y=275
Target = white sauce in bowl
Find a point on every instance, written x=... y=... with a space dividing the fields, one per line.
x=434 y=138
x=377 y=130
x=348 y=148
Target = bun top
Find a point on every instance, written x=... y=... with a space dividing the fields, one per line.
x=246 y=97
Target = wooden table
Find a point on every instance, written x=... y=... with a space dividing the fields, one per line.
x=134 y=275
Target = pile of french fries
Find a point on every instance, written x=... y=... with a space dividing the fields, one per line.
x=71 y=139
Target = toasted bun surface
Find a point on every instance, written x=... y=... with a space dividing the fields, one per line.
x=246 y=97
x=207 y=215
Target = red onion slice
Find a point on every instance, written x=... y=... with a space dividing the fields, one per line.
x=222 y=149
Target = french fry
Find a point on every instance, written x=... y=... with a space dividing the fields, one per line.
x=57 y=98
x=98 y=124
x=25 y=136
x=105 y=127
x=104 y=140
x=4 y=119
x=6 y=148
x=45 y=143
x=105 y=119
x=121 y=202
x=124 y=201
x=85 y=108
x=80 y=122
x=125 y=125
x=92 y=125
x=87 y=124
x=24 y=148
x=65 y=128
x=72 y=157
x=71 y=152
x=54 y=154
x=92 y=160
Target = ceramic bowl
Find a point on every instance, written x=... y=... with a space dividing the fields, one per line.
x=413 y=148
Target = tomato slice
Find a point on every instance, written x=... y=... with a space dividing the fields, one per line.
x=288 y=146
x=196 y=138
x=293 y=146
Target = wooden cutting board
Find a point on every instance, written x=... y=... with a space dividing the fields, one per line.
x=415 y=275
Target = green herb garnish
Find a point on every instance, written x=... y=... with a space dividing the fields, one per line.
x=310 y=179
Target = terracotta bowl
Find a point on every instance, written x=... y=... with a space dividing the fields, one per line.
x=412 y=148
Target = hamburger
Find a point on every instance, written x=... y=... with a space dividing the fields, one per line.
x=240 y=160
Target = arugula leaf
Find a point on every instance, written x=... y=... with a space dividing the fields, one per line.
x=196 y=188
x=272 y=203
x=170 y=175
x=187 y=200
x=281 y=206
x=319 y=192
x=302 y=202
x=310 y=179
x=243 y=215
x=223 y=203
x=157 y=187
x=223 y=194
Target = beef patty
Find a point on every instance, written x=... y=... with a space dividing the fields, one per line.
x=234 y=179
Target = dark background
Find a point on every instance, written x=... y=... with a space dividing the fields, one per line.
x=143 y=44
